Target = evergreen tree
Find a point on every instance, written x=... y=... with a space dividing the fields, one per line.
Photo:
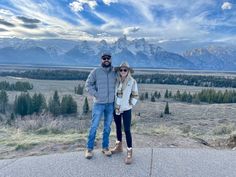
x=85 y=106
x=146 y=95
x=184 y=96
x=166 y=94
x=64 y=104
x=23 y=104
x=68 y=105
x=178 y=95
x=189 y=98
x=54 y=104
x=15 y=105
x=167 y=111
x=73 y=108
x=3 y=101
x=38 y=103
x=155 y=94
x=159 y=95
x=226 y=97
x=141 y=97
x=12 y=118
x=79 y=90
x=220 y=97
x=35 y=103
x=42 y=102
x=29 y=104
x=153 y=98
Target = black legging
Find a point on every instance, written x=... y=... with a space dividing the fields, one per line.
x=127 y=124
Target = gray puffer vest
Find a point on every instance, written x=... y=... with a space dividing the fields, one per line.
x=101 y=84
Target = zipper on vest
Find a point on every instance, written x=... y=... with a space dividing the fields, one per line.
x=107 y=87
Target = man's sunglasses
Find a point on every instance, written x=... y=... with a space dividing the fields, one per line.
x=125 y=70
x=106 y=58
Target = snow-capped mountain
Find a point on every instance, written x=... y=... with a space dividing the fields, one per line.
x=32 y=55
x=213 y=57
x=138 y=52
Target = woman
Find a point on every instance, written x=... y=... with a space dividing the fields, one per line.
x=126 y=96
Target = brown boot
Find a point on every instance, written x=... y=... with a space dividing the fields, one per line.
x=128 y=159
x=88 y=154
x=117 y=148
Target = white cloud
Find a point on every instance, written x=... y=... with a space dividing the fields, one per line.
x=143 y=7
x=226 y=6
x=51 y=26
x=78 y=5
x=5 y=12
x=129 y=30
x=92 y=4
x=108 y=2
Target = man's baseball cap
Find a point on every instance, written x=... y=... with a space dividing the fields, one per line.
x=106 y=54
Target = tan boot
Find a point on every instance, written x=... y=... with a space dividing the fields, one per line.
x=128 y=159
x=106 y=152
x=88 y=154
x=117 y=148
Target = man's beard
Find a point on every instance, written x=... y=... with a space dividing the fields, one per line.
x=106 y=65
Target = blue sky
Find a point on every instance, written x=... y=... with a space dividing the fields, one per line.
x=155 y=20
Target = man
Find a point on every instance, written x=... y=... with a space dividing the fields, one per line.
x=101 y=85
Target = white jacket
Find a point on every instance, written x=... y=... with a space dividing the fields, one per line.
x=127 y=98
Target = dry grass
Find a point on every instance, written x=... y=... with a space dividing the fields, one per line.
x=21 y=143
x=224 y=129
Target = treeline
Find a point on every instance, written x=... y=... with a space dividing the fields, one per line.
x=195 y=80
x=25 y=104
x=49 y=74
x=158 y=78
x=207 y=95
x=18 y=86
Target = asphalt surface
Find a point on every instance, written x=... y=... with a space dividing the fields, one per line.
x=157 y=162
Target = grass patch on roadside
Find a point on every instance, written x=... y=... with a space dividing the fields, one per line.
x=46 y=131
x=158 y=130
x=224 y=129
x=24 y=147
x=19 y=140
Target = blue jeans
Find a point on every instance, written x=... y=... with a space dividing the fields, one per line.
x=98 y=111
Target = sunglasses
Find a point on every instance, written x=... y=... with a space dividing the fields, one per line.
x=125 y=70
x=106 y=58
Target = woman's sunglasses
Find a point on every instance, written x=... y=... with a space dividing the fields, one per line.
x=125 y=70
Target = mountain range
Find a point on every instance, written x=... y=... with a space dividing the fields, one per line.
x=138 y=52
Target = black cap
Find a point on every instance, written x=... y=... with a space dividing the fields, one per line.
x=106 y=54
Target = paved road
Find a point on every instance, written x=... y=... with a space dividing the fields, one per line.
x=157 y=162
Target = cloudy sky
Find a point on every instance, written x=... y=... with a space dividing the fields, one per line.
x=155 y=20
